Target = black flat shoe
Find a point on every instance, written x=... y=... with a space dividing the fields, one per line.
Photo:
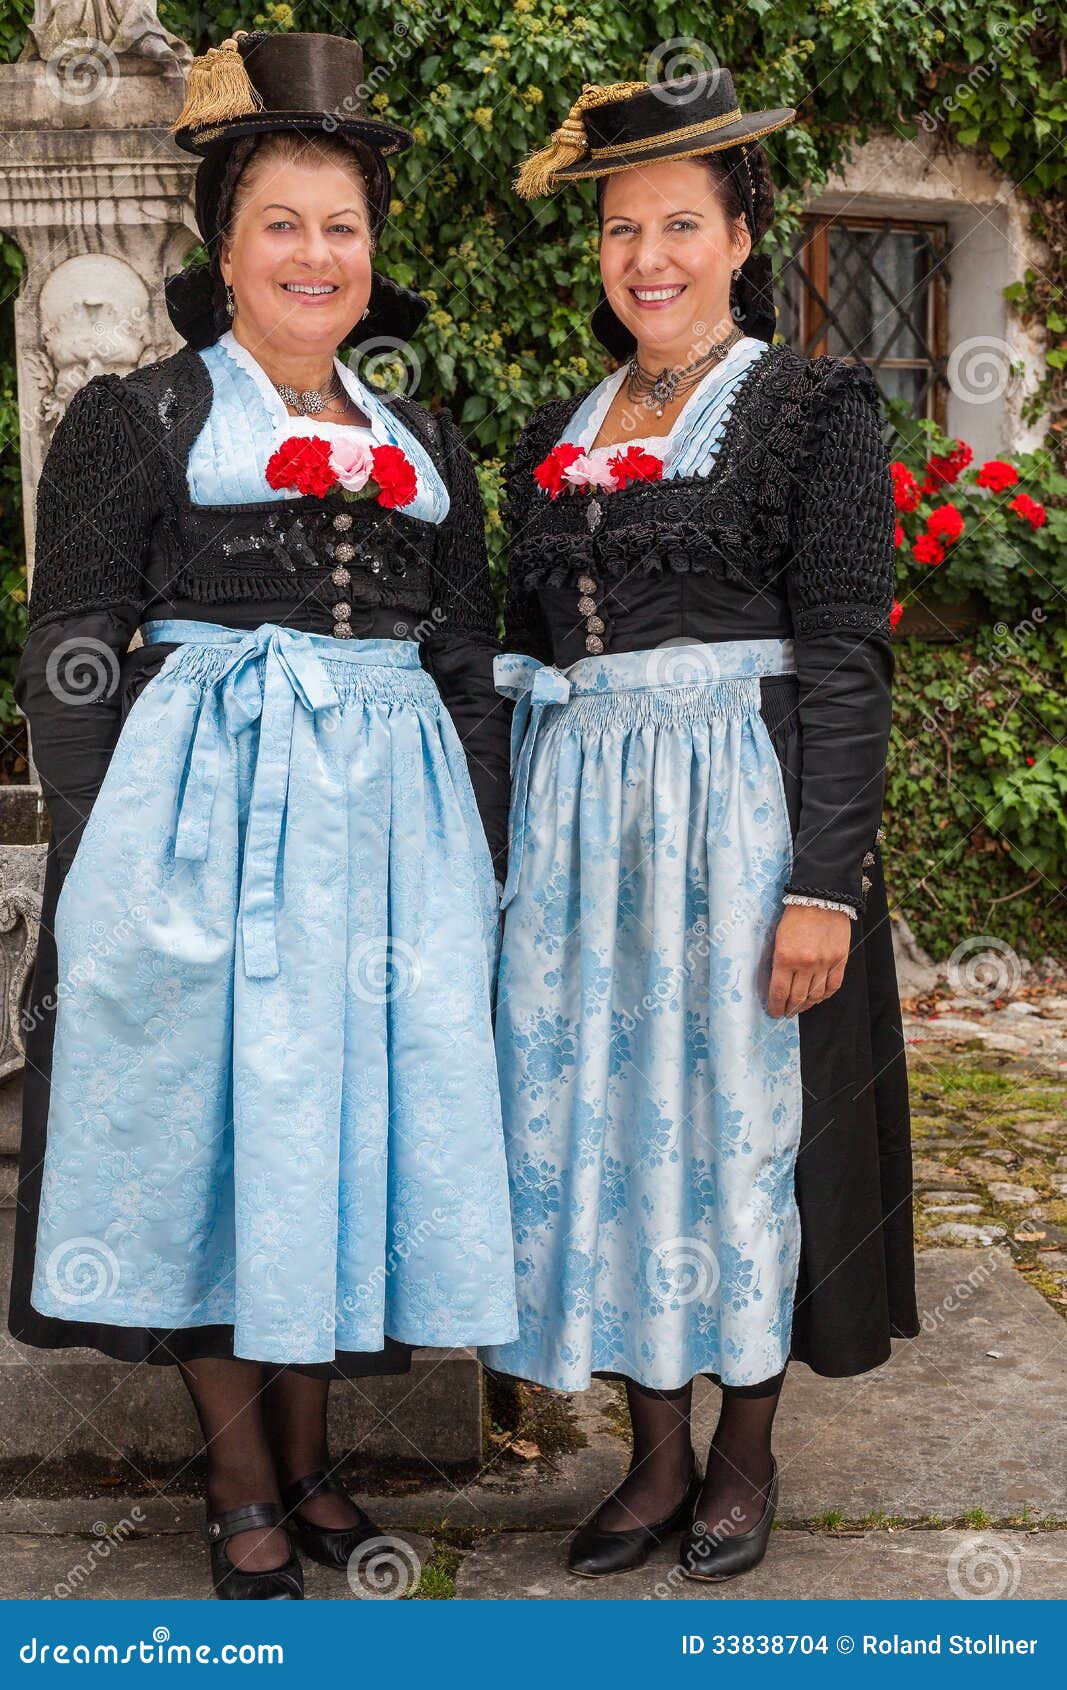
x=701 y=1556
x=333 y=1546
x=593 y=1552
x=284 y=1583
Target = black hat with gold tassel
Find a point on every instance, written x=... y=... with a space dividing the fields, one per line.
x=257 y=83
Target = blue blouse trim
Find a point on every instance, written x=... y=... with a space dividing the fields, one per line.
x=247 y=420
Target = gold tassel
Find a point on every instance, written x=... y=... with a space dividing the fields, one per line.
x=219 y=87
x=568 y=143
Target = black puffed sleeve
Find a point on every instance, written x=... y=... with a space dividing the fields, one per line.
x=94 y=518
x=462 y=642
x=525 y=629
x=840 y=587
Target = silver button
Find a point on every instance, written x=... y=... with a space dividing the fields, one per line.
x=342 y=520
x=213 y=1531
x=341 y=576
x=586 y=605
x=342 y=612
x=586 y=584
x=594 y=624
x=594 y=644
x=341 y=631
x=344 y=552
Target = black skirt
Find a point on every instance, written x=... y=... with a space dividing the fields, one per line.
x=856 y=1283
x=122 y=1343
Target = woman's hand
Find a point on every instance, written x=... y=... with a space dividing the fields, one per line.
x=810 y=953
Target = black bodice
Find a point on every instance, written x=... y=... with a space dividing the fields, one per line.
x=788 y=535
x=119 y=542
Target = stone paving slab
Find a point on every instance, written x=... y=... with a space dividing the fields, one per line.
x=166 y=1568
x=971 y=1414
x=906 y=1565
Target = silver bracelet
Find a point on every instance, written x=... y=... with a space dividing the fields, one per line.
x=820 y=904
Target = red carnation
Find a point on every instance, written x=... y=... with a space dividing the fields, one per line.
x=896 y=613
x=1029 y=509
x=928 y=550
x=997 y=475
x=395 y=475
x=549 y=472
x=945 y=523
x=302 y=462
x=906 y=493
x=635 y=464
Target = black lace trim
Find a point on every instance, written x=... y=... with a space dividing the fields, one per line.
x=800 y=485
x=114 y=495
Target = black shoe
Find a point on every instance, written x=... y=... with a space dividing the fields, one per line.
x=333 y=1546
x=702 y=1556
x=284 y=1583
x=594 y=1552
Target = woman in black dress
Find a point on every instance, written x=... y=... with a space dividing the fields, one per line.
x=702 y=1065
x=277 y=1158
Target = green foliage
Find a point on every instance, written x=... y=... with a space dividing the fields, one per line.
x=976 y=793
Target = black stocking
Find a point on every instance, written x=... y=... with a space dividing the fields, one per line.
x=734 y=1494
x=662 y=1461
x=227 y=1394
x=295 y=1411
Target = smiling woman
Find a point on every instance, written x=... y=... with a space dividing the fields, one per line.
x=701 y=1060
x=265 y=1145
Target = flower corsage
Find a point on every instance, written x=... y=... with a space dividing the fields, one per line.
x=309 y=464
x=569 y=468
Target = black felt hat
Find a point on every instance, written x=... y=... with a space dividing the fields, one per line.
x=615 y=126
x=256 y=84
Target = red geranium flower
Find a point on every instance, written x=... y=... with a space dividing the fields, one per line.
x=928 y=550
x=303 y=462
x=395 y=475
x=549 y=472
x=896 y=613
x=944 y=470
x=1028 y=508
x=635 y=464
x=898 y=533
x=906 y=493
x=945 y=523
x=997 y=475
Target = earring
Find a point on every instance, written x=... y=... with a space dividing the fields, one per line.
x=737 y=274
x=231 y=303
x=366 y=312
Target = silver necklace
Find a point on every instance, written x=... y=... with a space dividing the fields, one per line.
x=311 y=400
x=656 y=391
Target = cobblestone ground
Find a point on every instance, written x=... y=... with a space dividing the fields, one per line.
x=989 y=1123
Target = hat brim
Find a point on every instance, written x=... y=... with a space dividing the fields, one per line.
x=385 y=138
x=714 y=140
